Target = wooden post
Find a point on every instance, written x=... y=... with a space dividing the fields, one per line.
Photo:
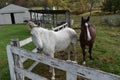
x=67 y=16
x=30 y=15
x=70 y=76
x=56 y=19
x=53 y=19
x=11 y=63
x=17 y=59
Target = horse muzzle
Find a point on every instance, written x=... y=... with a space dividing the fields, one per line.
x=39 y=49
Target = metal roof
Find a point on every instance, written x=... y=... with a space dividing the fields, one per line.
x=12 y=8
x=50 y=11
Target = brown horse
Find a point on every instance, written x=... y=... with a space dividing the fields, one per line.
x=87 y=37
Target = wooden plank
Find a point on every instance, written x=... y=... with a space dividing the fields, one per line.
x=33 y=65
x=70 y=76
x=68 y=18
x=25 y=41
x=34 y=50
x=11 y=63
x=29 y=74
x=58 y=27
x=17 y=59
x=83 y=71
x=24 y=58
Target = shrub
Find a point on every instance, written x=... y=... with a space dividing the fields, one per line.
x=112 y=20
x=111 y=6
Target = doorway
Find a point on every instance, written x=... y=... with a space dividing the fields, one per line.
x=12 y=18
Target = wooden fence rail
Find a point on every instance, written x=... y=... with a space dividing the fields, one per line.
x=72 y=70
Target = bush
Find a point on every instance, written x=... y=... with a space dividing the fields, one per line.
x=112 y=20
x=111 y=6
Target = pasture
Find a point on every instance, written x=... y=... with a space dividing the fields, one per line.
x=106 y=50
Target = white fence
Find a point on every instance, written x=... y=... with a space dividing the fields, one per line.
x=17 y=72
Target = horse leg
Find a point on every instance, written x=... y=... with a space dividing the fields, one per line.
x=68 y=51
x=84 y=55
x=52 y=68
x=75 y=55
x=90 y=51
x=53 y=74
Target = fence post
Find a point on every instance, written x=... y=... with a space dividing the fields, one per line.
x=70 y=76
x=17 y=59
x=67 y=15
x=11 y=63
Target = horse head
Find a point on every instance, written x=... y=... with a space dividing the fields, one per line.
x=84 y=22
x=37 y=38
x=35 y=34
x=31 y=24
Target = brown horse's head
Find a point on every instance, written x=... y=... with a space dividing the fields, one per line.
x=84 y=22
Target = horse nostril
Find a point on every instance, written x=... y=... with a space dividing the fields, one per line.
x=39 y=49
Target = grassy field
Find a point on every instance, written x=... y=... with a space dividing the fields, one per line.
x=7 y=33
x=106 y=50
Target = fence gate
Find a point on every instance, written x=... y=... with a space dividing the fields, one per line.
x=17 y=55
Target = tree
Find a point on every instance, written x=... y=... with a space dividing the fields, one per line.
x=111 y=6
x=3 y=3
x=25 y=3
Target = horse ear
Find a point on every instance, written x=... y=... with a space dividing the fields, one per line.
x=88 y=18
x=82 y=19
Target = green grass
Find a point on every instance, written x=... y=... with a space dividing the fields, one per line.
x=8 y=32
x=106 y=49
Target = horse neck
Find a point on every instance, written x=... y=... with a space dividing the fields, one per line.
x=43 y=29
x=83 y=29
x=45 y=32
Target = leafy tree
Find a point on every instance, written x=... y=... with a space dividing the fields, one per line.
x=3 y=3
x=111 y=6
x=25 y=3
x=58 y=3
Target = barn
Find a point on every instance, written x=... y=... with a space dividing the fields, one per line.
x=13 y=14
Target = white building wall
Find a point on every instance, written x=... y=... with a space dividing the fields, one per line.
x=20 y=17
x=1 y=21
x=5 y=19
x=27 y=15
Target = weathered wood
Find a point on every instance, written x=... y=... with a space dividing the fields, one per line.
x=24 y=58
x=29 y=74
x=83 y=71
x=61 y=26
x=17 y=59
x=11 y=63
x=25 y=41
x=34 y=50
x=70 y=76
x=68 y=18
x=32 y=66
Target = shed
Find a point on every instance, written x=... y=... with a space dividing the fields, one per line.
x=14 y=14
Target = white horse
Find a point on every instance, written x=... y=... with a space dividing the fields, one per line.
x=50 y=41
